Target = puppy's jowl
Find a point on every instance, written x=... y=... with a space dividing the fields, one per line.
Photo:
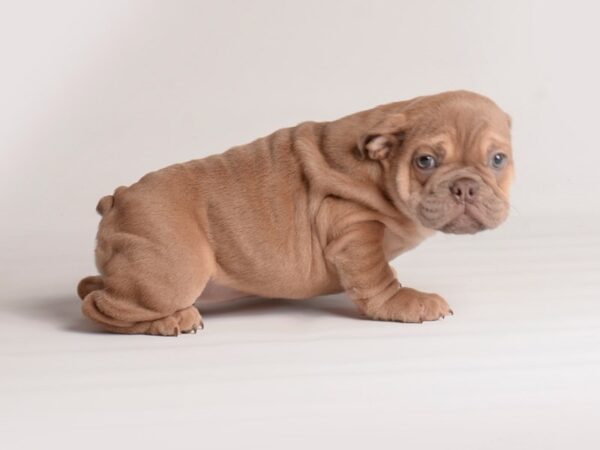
x=314 y=209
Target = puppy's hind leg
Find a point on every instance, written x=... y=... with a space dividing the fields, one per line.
x=95 y=282
x=186 y=320
x=153 y=268
x=148 y=292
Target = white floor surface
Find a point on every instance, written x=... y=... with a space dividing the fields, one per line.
x=516 y=367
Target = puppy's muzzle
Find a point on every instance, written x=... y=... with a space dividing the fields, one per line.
x=464 y=204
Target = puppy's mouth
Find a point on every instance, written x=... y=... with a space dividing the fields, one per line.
x=468 y=220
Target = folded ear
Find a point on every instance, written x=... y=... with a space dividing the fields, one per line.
x=383 y=138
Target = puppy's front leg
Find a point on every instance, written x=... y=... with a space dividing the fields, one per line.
x=369 y=280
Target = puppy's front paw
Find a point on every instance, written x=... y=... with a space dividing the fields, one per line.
x=410 y=305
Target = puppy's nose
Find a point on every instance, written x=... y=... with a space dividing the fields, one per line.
x=465 y=190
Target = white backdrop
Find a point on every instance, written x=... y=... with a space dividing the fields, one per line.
x=93 y=94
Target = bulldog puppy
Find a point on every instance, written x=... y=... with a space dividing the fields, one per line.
x=314 y=209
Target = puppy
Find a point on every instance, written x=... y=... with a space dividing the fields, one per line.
x=315 y=209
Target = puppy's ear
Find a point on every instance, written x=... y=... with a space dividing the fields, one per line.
x=383 y=138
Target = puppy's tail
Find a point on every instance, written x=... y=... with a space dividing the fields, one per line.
x=105 y=204
x=89 y=284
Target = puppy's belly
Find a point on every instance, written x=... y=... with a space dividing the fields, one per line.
x=214 y=292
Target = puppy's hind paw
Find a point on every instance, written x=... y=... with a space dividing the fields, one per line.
x=185 y=321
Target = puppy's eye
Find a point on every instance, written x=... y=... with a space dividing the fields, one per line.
x=498 y=160
x=425 y=162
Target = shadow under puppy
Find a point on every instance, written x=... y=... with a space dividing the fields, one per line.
x=310 y=210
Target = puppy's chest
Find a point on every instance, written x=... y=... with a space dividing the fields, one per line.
x=396 y=243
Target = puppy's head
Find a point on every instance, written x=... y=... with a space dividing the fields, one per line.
x=448 y=161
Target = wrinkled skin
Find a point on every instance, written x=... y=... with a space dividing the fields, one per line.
x=463 y=141
x=314 y=209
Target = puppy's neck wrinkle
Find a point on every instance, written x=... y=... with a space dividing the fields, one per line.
x=329 y=181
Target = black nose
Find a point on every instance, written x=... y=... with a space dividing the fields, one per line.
x=465 y=190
